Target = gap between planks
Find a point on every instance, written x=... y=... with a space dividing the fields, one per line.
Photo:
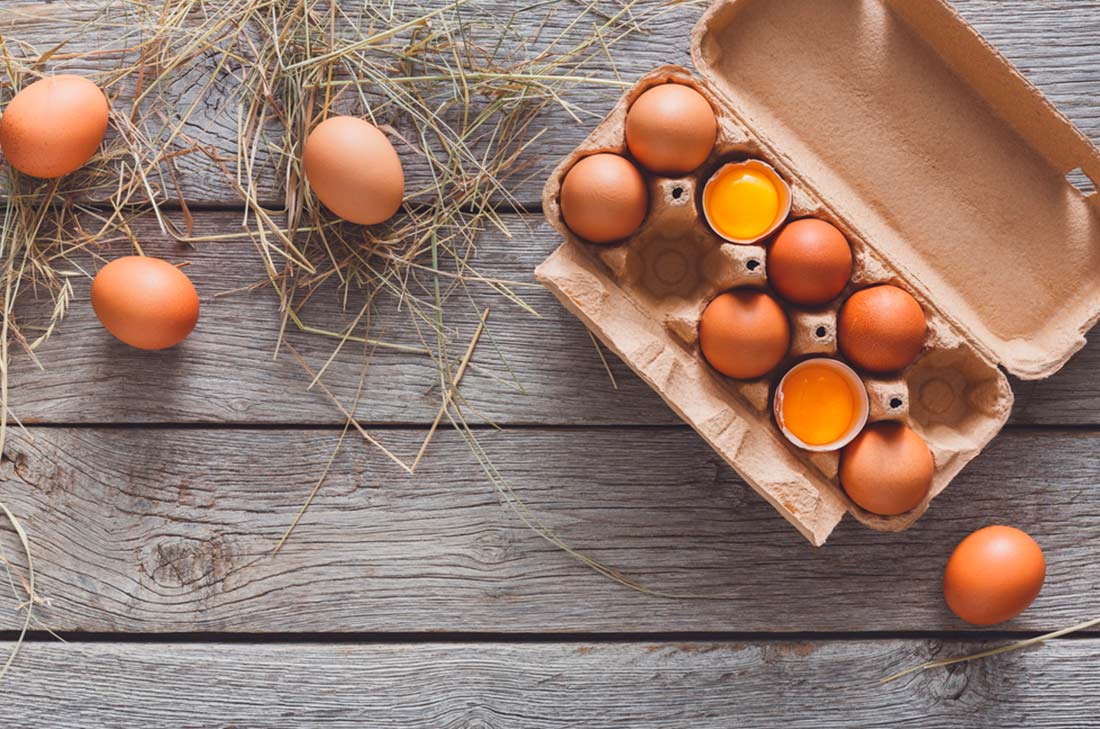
x=490 y=637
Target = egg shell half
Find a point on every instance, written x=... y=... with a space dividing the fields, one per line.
x=146 y=302
x=815 y=405
x=718 y=203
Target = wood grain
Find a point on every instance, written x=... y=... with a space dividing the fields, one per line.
x=1054 y=44
x=811 y=685
x=169 y=530
x=91 y=24
x=527 y=370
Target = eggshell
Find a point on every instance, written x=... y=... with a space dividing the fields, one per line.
x=881 y=328
x=993 y=575
x=670 y=129
x=744 y=333
x=809 y=262
x=887 y=469
x=146 y=302
x=817 y=394
x=604 y=198
x=354 y=170
x=745 y=202
x=54 y=126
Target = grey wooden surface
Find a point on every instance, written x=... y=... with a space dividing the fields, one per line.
x=154 y=486
x=1053 y=42
x=535 y=370
x=702 y=684
x=166 y=530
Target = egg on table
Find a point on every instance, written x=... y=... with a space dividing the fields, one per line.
x=603 y=198
x=146 y=302
x=744 y=333
x=993 y=575
x=887 y=469
x=809 y=262
x=54 y=126
x=671 y=129
x=881 y=328
x=354 y=170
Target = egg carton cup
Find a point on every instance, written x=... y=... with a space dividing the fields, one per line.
x=946 y=171
x=643 y=297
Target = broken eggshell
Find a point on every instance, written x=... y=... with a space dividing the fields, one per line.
x=855 y=385
x=749 y=169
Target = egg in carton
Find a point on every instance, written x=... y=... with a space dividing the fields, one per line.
x=950 y=177
x=944 y=169
x=644 y=297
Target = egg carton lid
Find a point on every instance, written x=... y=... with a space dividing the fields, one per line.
x=934 y=149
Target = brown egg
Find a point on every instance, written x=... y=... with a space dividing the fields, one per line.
x=354 y=170
x=146 y=302
x=603 y=198
x=670 y=129
x=744 y=333
x=993 y=575
x=54 y=126
x=881 y=329
x=810 y=262
x=887 y=469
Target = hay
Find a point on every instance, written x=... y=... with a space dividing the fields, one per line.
x=462 y=90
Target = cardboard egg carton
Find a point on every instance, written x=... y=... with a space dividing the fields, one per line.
x=644 y=296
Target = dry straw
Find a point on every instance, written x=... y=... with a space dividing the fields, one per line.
x=1018 y=645
x=53 y=229
x=464 y=87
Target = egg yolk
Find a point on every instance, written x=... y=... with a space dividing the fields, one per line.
x=819 y=405
x=741 y=203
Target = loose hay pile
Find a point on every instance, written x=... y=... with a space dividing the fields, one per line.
x=465 y=90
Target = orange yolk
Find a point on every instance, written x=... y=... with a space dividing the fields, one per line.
x=741 y=203
x=819 y=405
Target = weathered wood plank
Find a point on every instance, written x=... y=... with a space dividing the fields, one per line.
x=166 y=530
x=114 y=25
x=527 y=370
x=816 y=685
x=1054 y=43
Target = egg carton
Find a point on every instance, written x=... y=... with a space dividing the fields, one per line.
x=644 y=297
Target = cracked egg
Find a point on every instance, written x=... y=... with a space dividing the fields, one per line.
x=744 y=202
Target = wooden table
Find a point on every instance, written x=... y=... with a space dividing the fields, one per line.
x=154 y=485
